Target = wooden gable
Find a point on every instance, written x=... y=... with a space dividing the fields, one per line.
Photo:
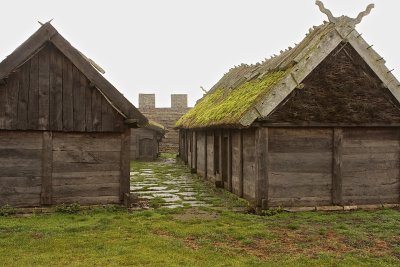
x=342 y=89
x=48 y=92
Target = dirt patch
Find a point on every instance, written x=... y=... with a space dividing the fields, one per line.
x=196 y=214
x=191 y=243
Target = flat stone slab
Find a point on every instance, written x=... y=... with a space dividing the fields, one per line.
x=157 y=188
x=187 y=194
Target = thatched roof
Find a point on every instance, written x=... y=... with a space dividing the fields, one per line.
x=155 y=126
x=250 y=92
x=47 y=33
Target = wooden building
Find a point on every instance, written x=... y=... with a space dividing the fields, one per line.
x=145 y=141
x=64 y=129
x=317 y=125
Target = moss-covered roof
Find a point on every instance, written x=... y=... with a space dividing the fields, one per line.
x=155 y=126
x=244 y=86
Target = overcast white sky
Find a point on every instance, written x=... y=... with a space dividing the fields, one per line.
x=176 y=46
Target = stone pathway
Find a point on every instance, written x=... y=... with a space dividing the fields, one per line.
x=166 y=184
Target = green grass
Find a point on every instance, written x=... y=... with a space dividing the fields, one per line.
x=207 y=236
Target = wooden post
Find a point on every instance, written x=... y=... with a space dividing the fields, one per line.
x=46 y=196
x=261 y=143
x=337 y=196
x=220 y=156
x=205 y=155
x=240 y=163
x=194 y=153
x=229 y=161
x=124 y=188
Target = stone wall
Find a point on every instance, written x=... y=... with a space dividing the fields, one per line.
x=165 y=116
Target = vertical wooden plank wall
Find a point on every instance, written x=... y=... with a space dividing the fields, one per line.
x=125 y=165
x=46 y=197
x=49 y=93
x=261 y=151
x=337 y=177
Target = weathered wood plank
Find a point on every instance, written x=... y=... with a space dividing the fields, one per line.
x=79 y=101
x=261 y=151
x=230 y=187
x=87 y=142
x=47 y=168
x=20 y=140
x=3 y=99
x=88 y=102
x=287 y=179
x=9 y=190
x=371 y=134
x=86 y=190
x=86 y=200
x=288 y=144
x=249 y=165
x=107 y=116
x=300 y=201
x=44 y=88
x=33 y=100
x=20 y=200
x=67 y=95
x=299 y=191
x=12 y=101
x=19 y=163
x=96 y=110
x=205 y=154
x=351 y=147
x=241 y=164
x=95 y=157
x=365 y=162
x=337 y=174
x=84 y=167
x=320 y=162
x=124 y=187
x=56 y=90
x=77 y=178
x=27 y=181
x=23 y=97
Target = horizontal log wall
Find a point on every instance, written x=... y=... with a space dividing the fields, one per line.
x=237 y=182
x=201 y=166
x=20 y=168
x=45 y=168
x=210 y=157
x=49 y=93
x=300 y=167
x=370 y=166
x=86 y=168
x=249 y=165
x=311 y=166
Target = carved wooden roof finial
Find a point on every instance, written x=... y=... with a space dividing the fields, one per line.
x=340 y=20
x=326 y=11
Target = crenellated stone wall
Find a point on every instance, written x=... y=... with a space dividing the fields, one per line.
x=165 y=116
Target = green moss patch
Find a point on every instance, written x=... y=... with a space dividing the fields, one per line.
x=226 y=107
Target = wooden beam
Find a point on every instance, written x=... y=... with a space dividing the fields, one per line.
x=125 y=164
x=241 y=164
x=337 y=183
x=46 y=196
x=218 y=176
x=323 y=125
x=261 y=142
x=205 y=156
x=195 y=152
x=229 y=161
